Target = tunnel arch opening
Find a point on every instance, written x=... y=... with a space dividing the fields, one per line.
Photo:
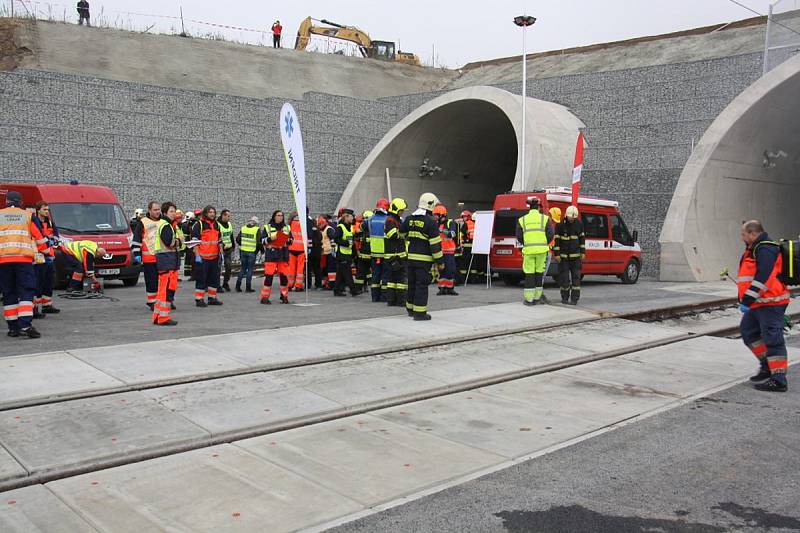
x=463 y=146
x=746 y=166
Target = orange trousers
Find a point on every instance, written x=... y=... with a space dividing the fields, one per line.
x=167 y=285
x=297 y=270
x=270 y=269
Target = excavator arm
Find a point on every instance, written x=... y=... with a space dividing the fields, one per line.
x=383 y=50
x=337 y=31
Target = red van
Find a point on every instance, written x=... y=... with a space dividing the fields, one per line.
x=610 y=248
x=89 y=213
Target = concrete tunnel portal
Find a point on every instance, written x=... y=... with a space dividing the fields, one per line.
x=746 y=166
x=463 y=146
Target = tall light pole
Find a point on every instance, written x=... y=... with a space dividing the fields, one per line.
x=524 y=21
x=767 y=38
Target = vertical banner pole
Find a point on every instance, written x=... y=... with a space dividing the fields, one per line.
x=292 y=140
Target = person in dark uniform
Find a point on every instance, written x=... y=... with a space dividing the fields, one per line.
x=424 y=249
x=393 y=260
x=345 y=249
x=569 y=251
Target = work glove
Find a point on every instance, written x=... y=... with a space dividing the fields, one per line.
x=583 y=256
x=743 y=308
x=137 y=260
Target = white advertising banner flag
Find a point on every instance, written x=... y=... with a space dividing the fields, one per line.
x=292 y=141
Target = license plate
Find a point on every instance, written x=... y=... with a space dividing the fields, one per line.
x=504 y=252
x=108 y=271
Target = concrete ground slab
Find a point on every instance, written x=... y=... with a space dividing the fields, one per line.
x=675 y=381
x=453 y=365
x=127 y=320
x=369 y=459
x=221 y=488
x=9 y=467
x=557 y=393
x=81 y=432
x=603 y=336
x=510 y=428
x=357 y=384
x=49 y=375
x=526 y=352
x=703 y=354
x=36 y=509
x=241 y=402
x=156 y=361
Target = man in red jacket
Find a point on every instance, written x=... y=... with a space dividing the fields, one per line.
x=276 y=34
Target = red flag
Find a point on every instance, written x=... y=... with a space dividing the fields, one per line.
x=577 y=168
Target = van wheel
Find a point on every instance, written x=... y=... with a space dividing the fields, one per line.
x=511 y=280
x=130 y=282
x=631 y=273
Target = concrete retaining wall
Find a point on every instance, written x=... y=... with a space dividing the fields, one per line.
x=197 y=148
x=641 y=126
x=151 y=142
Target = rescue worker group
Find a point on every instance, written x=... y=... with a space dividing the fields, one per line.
x=392 y=255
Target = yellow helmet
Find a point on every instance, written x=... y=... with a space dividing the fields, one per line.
x=398 y=204
x=367 y=213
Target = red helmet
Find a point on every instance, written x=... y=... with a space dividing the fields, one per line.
x=466 y=215
x=383 y=203
x=440 y=210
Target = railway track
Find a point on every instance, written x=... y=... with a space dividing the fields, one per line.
x=597 y=326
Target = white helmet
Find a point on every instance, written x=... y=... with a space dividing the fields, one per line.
x=428 y=201
x=572 y=212
x=139 y=212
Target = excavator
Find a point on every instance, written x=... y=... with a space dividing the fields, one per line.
x=382 y=50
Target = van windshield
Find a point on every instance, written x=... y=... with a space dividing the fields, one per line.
x=505 y=222
x=88 y=218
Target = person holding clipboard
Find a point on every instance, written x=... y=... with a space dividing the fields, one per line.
x=276 y=237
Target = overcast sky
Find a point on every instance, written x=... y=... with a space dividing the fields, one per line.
x=460 y=30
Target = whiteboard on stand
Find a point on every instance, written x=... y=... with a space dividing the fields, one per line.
x=484 y=225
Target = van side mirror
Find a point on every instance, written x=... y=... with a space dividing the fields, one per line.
x=635 y=236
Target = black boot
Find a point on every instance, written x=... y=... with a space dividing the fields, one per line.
x=31 y=333
x=238 y=288
x=226 y=286
x=565 y=296
x=200 y=303
x=50 y=310
x=214 y=301
x=772 y=385
x=442 y=291
x=452 y=291
x=422 y=316
x=38 y=314
x=763 y=375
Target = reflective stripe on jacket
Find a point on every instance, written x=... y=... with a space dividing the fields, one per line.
x=149 y=231
x=297 y=237
x=167 y=256
x=208 y=248
x=17 y=242
x=344 y=240
x=377 y=234
x=424 y=241
x=534 y=233
x=226 y=234
x=249 y=238
x=754 y=293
